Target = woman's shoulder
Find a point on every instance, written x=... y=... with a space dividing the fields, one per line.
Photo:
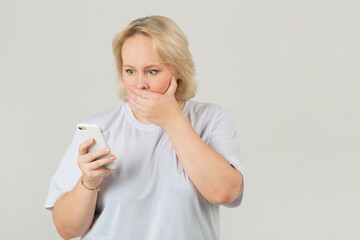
x=204 y=108
x=205 y=114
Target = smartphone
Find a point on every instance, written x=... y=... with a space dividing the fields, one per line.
x=89 y=130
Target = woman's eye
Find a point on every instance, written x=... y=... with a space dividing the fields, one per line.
x=129 y=71
x=153 y=72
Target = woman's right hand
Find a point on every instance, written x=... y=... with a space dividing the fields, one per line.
x=93 y=171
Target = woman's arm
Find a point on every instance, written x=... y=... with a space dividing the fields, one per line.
x=74 y=212
x=213 y=175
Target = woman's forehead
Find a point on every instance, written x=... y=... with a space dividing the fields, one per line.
x=139 y=50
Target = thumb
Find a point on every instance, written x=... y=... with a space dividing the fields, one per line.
x=172 y=87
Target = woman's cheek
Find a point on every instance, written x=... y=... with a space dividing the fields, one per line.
x=161 y=86
x=128 y=84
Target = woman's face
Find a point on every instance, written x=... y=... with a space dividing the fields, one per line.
x=142 y=68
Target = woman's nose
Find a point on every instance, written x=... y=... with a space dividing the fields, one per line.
x=142 y=82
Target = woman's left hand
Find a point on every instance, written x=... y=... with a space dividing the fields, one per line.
x=160 y=109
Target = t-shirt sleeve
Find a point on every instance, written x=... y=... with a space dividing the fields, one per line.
x=66 y=175
x=223 y=140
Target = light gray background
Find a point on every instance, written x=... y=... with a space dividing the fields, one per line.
x=287 y=71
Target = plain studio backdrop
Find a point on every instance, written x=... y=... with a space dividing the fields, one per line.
x=286 y=71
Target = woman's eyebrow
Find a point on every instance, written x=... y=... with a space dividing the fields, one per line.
x=146 y=67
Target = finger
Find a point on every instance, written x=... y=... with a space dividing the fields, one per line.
x=136 y=99
x=101 y=162
x=172 y=88
x=83 y=147
x=142 y=93
x=91 y=156
x=137 y=103
x=138 y=111
x=100 y=172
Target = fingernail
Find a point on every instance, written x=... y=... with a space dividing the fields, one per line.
x=113 y=158
x=90 y=140
x=107 y=150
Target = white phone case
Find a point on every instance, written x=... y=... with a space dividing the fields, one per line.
x=86 y=131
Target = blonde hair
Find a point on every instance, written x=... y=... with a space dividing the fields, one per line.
x=171 y=45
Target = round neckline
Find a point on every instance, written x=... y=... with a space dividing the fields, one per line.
x=145 y=126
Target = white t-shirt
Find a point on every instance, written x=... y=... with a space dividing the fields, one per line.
x=150 y=196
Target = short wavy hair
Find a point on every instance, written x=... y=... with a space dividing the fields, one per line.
x=170 y=44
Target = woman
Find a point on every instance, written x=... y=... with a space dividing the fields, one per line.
x=176 y=159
